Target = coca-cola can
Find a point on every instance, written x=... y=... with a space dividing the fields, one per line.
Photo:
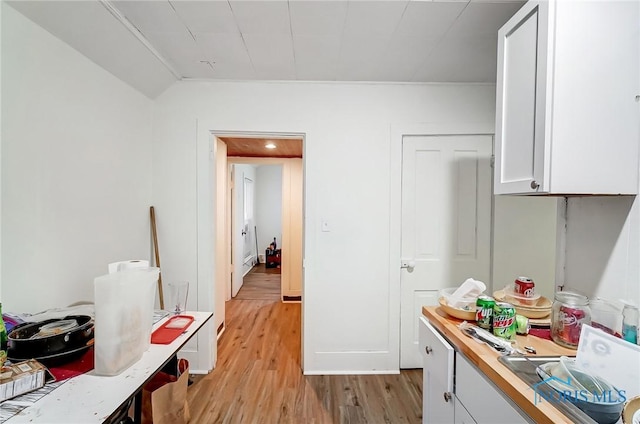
x=524 y=286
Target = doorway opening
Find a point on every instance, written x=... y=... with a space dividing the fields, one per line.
x=259 y=192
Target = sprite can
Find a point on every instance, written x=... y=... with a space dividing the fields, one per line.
x=484 y=312
x=504 y=320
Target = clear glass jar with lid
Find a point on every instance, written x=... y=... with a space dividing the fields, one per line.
x=569 y=311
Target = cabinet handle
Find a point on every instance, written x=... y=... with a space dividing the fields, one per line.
x=534 y=185
x=428 y=349
x=447 y=396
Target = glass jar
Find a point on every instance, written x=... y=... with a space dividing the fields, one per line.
x=569 y=311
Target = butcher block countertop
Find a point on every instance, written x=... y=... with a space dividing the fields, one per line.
x=486 y=360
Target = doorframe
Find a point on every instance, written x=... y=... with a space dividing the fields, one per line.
x=398 y=132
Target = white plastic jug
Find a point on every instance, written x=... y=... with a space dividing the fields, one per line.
x=124 y=317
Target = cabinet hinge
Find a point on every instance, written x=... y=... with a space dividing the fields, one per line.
x=493 y=161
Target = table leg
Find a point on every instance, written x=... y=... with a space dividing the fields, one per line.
x=137 y=408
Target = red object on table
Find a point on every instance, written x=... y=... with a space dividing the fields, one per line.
x=170 y=330
x=73 y=369
x=543 y=333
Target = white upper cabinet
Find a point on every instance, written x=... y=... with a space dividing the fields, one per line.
x=567 y=111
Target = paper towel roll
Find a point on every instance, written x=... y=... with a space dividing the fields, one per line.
x=130 y=264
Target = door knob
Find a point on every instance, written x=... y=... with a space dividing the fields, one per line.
x=408 y=264
x=428 y=349
x=447 y=396
x=534 y=185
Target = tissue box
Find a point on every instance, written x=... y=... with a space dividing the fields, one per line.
x=20 y=378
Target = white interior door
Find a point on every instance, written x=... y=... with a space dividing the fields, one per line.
x=446 y=223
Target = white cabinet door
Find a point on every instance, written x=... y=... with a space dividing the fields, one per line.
x=566 y=111
x=484 y=402
x=521 y=75
x=437 y=375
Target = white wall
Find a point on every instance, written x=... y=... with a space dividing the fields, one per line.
x=603 y=247
x=349 y=310
x=526 y=230
x=268 y=205
x=76 y=170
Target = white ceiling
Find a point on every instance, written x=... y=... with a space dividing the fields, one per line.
x=157 y=42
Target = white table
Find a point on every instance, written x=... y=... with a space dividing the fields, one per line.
x=90 y=398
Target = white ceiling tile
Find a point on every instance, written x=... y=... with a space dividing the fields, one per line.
x=315 y=72
x=362 y=48
x=428 y=19
x=197 y=70
x=483 y=19
x=403 y=57
x=207 y=16
x=318 y=17
x=261 y=17
x=235 y=71
x=228 y=48
x=150 y=16
x=379 y=18
x=363 y=71
x=180 y=49
x=316 y=49
x=316 y=57
x=271 y=55
x=360 y=56
x=461 y=60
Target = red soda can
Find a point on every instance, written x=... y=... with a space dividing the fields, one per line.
x=524 y=286
x=572 y=319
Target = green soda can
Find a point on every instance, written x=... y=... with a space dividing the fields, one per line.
x=484 y=312
x=504 y=320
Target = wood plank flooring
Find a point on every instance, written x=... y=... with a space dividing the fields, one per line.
x=260 y=283
x=258 y=378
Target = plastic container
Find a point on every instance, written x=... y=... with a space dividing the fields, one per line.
x=469 y=289
x=123 y=318
x=464 y=303
x=518 y=299
x=569 y=311
x=606 y=316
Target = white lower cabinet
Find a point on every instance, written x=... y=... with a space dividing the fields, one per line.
x=473 y=400
x=482 y=399
x=461 y=415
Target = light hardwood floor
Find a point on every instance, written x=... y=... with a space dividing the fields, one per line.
x=258 y=378
x=261 y=283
